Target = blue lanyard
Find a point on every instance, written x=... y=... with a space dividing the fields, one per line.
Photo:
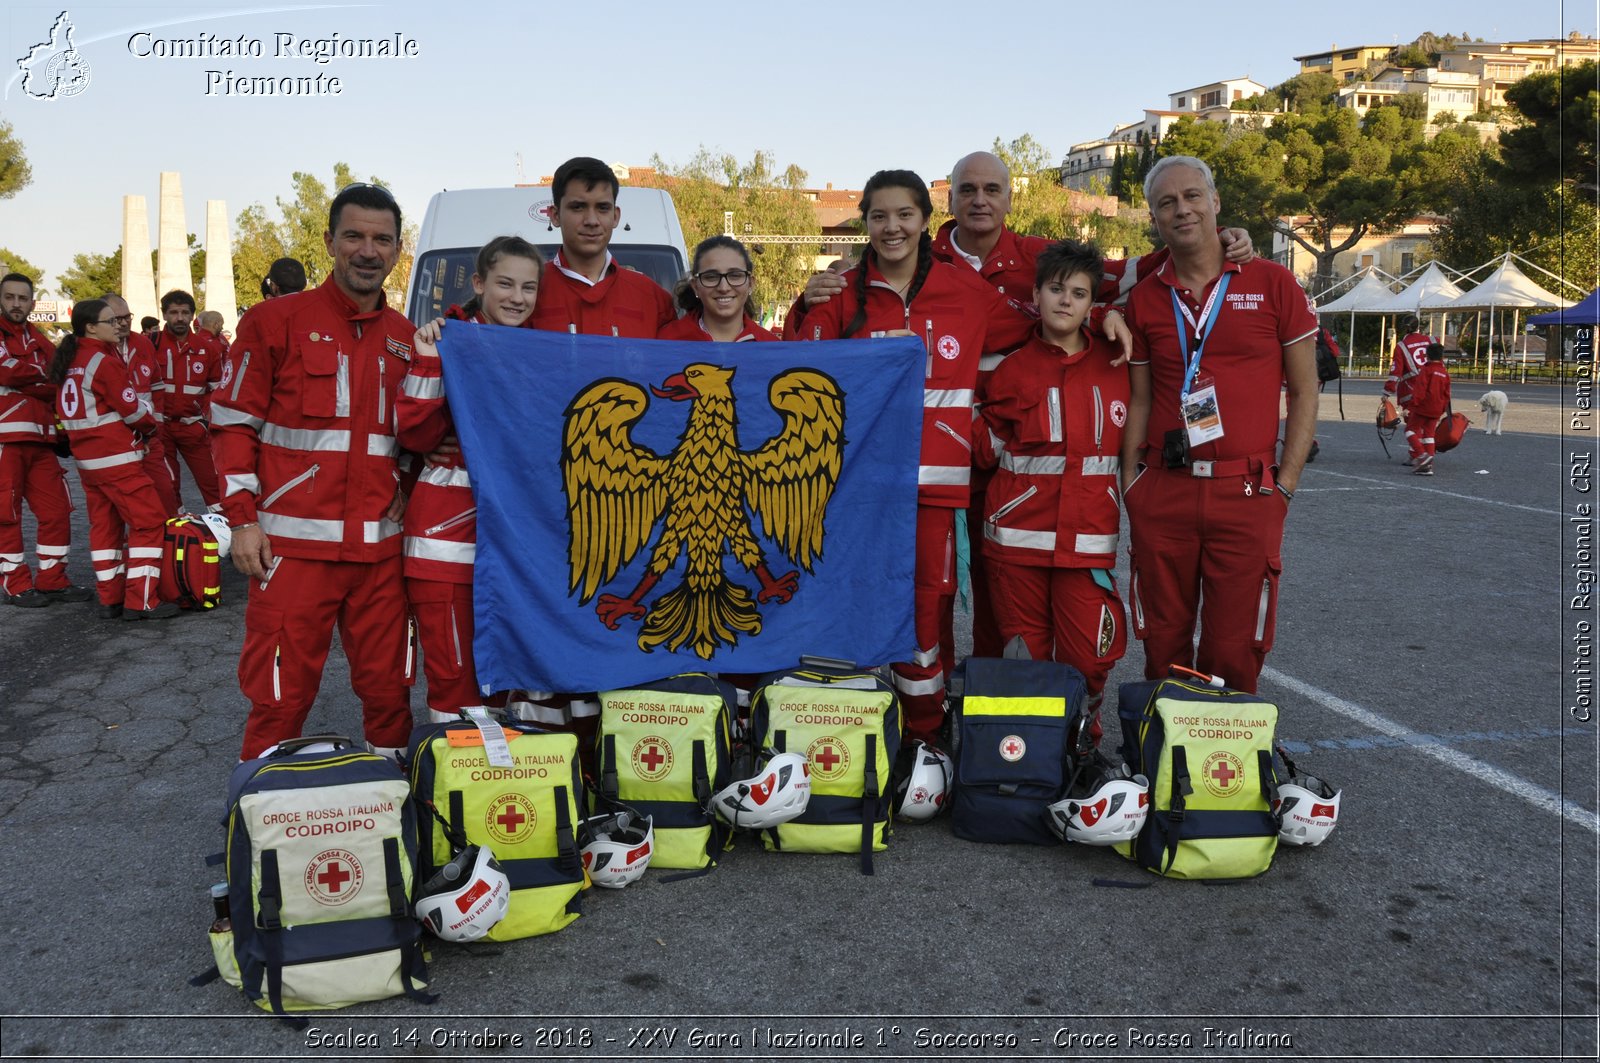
x=1208 y=319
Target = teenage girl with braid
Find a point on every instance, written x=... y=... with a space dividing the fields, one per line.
x=899 y=289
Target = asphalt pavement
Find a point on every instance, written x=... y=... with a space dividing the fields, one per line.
x=1430 y=658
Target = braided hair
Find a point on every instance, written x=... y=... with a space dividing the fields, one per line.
x=918 y=188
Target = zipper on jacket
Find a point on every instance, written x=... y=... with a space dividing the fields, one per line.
x=238 y=381
x=459 y=518
x=1261 y=609
x=994 y=518
x=1053 y=403
x=383 y=391
x=1099 y=418
x=13 y=409
x=277 y=672
x=949 y=554
x=953 y=434
x=411 y=648
x=927 y=340
x=341 y=387
x=455 y=633
x=309 y=474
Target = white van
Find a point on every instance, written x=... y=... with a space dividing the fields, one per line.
x=458 y=222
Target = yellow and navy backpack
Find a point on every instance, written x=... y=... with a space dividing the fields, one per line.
x=1015 y=726
x=664 y=750
x=525 y=809
x=321 y=854
x=847 y=724
x=1207 y=751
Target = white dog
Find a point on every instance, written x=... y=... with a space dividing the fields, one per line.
x=1493 y=403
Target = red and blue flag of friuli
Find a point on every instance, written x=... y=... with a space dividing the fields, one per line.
x=650 y=507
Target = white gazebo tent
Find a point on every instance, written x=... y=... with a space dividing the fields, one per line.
x=1432 y=282
x=1362 y=298
x=1507 y=288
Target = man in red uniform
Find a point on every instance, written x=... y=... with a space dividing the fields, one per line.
x=584 y=290
x=1410 y=355
x=29 y=470
x=150 y=384
x=192 y=361
x=304 y=442
x=1430 y=398
x=1205 y=492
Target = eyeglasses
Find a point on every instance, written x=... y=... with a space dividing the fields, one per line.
x=710 y=278
x=106 y=321
x=365 y=186
x=125 y=319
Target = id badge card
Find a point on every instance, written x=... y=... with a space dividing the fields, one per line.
x=1202 y=421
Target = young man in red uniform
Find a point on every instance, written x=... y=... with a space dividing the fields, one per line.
x=1052 y=432
x=1410 y=356
x=1205 y=490
x=584 y=290
x=29 y=470
x=1430 y=398
x=304 y=420
x=150 y=383
x=192 y=361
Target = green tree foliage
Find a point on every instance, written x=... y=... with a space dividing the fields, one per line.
x=1561 y=109
x=15 y=173
x=764 y=201
x=1040 y=204
x=258 y=240
x=91 y=275
x=11 y=262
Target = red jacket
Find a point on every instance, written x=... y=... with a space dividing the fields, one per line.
x=624 y=303
x=958 y=317
x=1430 y=390
x=441 y=523
x=1052 y=431
x=191 y=367
x=303 y=423
x=1410 y=355
x=27 y=398
x=100 y=411
x=688 y=327
x=1012 y=265
x=145 y=371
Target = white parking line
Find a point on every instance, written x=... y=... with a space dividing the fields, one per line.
x=1516 y=785
x=1448 y=494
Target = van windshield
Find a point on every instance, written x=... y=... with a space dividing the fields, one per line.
x=443 y=276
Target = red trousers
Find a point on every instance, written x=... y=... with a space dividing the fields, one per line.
x=1419 y=434
x=443 y=613
x=126 y=529
x=289 y=621
x=921 y=681
x=1063 y=615
x=31 y=473
x=155 y=466
x=1206 y=548
x=193 y=441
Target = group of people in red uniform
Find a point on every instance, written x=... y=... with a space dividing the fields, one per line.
x=339 y=472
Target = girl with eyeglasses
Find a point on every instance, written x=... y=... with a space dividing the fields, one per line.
x=107 y=425
x=716 y=297
x=441 y=525
x=899 y=289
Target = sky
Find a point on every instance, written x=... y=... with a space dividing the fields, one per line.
x=494 y=93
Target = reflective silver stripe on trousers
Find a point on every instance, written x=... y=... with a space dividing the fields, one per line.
x=946 y=398
x=1033 y=464
x=1095 y=544
x=423 y=387
x=277 y=435
x=1108 y=465
x=918 y=687
x=130 y=458
x=441 y=550
x=105 y=555
x=1031 y=540
x=951 y=475
x=926 y=658
x=445 y=476
x=249 y=483
x=226 y=416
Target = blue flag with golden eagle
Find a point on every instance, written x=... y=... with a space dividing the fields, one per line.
x=650 y=507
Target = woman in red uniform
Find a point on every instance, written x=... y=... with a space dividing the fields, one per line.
x=898 y=288
x=716 y=297
x=441 y=525
x=107 y=426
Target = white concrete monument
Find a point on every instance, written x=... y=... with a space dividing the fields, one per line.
x=138 y=281
x=220 y=295
x=172 y=252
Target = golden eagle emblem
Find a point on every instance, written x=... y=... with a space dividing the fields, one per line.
x=704 y=494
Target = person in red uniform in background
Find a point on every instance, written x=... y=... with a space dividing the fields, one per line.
x=1052 y=432
x=29 y=469
x=304 y=423
x=1205 y=491
x=1430 y=398
x=584 y=289
x=192 y=361
x=899 y=288
x=150 y=384
x=716 y=296
x=1410 y=355
x=106 y=422
x=441 y=525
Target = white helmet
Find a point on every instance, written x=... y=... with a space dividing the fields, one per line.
x=220 y=528
x=1113 y=811
x=921 y=793
x=778 y=792
x=616 y=848
x=466 y=897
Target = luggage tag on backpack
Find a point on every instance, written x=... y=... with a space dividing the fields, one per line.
x=495 y=746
